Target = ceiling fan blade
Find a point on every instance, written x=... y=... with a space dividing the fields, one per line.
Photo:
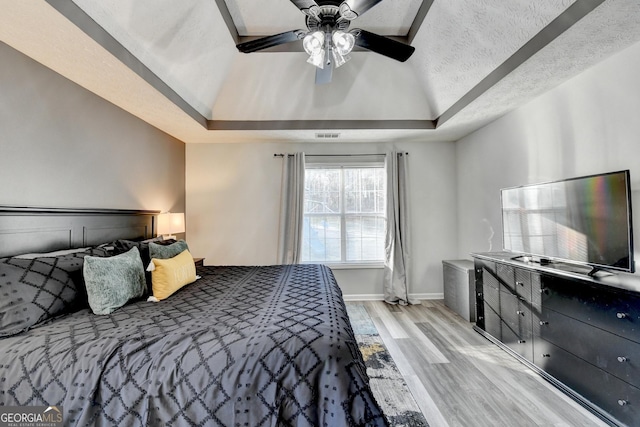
x=323 y=75
x=270 y=41
x=384 y=45
x=304 y=4
x=360 y=6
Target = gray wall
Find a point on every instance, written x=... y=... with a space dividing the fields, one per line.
x=585 y=126
x=63 y=146
x=233 y=206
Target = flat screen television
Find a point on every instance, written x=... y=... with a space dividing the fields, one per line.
x=585 y=220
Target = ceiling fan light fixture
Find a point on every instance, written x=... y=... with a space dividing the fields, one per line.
x=317 y=59
x=313 y=43
x=338 y=58
x=346 y=12
x=313 y=11
x=343 y=42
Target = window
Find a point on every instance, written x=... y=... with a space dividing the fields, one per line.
x=344 y=213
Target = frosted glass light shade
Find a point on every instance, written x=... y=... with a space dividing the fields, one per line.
x=346 y=12
x=170 y=223
x=313 y=43
x=338 y=59
x=343 y=42
x=317 y=59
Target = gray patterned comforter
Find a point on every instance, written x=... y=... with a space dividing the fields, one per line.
x=245 y=346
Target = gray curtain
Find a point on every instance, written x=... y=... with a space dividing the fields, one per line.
x=291 y=209
x=397 y=244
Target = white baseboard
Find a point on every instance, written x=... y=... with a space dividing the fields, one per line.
x=438 y=295
x=380 y=297
x=363 y=297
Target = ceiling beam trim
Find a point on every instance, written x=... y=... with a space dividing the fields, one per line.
x=419 y=19
x=80 y=19
x=247 y=125
x=228 y=20
x=555 y=28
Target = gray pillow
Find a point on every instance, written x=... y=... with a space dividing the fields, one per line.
x=111 y=282
x=33 y=291
x=166 y=252
x=122 y=246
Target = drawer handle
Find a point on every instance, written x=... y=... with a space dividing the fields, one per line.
x=622 y=359
x=519 y=283
x=544 y=291
x=520 y=312
x=521 y=341
x=546 y=355
x=623 y=402
x=542 y=323
x=621 y=315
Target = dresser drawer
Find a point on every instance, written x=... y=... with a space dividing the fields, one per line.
x=516 y=281
x=606 y=391
x=523 y=282
x=612 y=310
x=492 y=321
x=516 y=325
x=609 y=352
x=516 y=312
x=491 y=296
x=517 y=341
x=506 y=276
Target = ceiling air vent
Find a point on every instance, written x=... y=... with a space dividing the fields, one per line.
x=327 y=135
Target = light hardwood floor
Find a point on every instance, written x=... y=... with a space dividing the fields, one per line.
x=459 y=378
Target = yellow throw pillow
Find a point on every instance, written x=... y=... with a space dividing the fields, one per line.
x=171 y=274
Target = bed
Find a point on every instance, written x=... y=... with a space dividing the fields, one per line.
x=243 y=345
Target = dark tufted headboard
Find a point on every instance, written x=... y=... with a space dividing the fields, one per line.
x=38 y=229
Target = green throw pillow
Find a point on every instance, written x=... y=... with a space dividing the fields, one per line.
x=166 y=252
x=113 y=281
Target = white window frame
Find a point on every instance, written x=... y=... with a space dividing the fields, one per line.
x=342 y=163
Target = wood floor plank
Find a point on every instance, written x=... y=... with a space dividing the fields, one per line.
x=515 y=379
x=506 y=384
x=389 y=319
x=418 y=340
x=404 y=366
x=428 y=407
x=479 y=384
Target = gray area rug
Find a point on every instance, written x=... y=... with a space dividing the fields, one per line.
x=386 y=381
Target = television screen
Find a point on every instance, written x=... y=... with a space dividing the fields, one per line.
x=584 y=220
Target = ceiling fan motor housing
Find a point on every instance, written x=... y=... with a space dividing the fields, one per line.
x=329 y=20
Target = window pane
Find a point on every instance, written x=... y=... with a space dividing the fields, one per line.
x=321 y=238
x=365 y=238
x=362 y=190
x=322 y=191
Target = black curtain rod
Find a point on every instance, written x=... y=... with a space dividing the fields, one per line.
x=339 y=155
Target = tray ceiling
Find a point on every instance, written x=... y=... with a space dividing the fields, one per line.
x=260 y=17
x=474 y=61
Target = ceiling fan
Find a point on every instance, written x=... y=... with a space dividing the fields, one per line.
x=328 y=40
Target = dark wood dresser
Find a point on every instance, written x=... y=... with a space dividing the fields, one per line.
x=581 y=333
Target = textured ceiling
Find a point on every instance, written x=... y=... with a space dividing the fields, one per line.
x=260 y=17
x=463 y=41
x=175 y=65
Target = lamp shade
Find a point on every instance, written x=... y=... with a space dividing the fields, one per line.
x=170 y=223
